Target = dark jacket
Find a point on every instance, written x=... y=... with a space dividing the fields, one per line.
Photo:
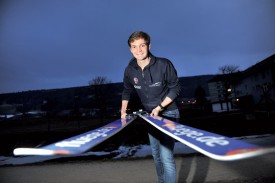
x=157 y=80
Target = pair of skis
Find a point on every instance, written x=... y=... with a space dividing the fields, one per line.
x=213 y=145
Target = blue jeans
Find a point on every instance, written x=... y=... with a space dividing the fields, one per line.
x=162 y=147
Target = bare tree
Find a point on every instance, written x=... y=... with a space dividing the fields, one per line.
x=100 y=89
x=229 y=69
x=99 y=80
x=229 y=80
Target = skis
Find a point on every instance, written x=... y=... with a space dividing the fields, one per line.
x=210 y=144
x=213 y=145
x=80 y=143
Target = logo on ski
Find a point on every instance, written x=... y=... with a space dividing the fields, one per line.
x=84 y=139
x=181 y=130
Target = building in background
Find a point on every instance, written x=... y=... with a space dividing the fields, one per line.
x=250 y=89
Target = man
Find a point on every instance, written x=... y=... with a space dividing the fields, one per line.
x=157 y=85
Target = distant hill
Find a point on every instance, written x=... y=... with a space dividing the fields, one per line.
x=87 y=96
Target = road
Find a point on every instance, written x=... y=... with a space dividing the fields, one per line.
x=191 y=168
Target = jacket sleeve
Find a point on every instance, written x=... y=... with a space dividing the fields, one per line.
x=127 y=86
x=172 y=81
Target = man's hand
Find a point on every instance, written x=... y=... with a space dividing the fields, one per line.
x=123 y=121
x=123 y=118
x=155 y=111
x=123 y=115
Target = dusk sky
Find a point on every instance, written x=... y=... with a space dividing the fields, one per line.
x=48 y=44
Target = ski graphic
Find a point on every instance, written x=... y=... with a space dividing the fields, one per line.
x=80 y=143
x=213 y=145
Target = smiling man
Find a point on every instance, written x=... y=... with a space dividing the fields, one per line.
x=157 y=85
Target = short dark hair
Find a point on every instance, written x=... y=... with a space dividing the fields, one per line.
x=139 y=35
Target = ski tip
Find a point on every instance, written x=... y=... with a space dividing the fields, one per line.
x=255 y=150
x=37 y=151
x=247 y=153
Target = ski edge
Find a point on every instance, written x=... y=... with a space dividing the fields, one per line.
x=38 y=151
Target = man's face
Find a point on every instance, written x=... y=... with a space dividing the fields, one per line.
x=139 y=49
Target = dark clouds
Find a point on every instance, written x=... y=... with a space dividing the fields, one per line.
x=66 y=43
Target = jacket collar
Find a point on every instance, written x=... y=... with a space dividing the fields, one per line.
x=133 y=61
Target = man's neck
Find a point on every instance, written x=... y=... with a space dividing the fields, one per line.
x=143 y=63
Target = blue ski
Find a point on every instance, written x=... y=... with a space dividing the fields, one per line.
x=80 y=143
x=213 y=145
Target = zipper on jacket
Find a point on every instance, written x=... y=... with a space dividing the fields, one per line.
x=142 y=74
